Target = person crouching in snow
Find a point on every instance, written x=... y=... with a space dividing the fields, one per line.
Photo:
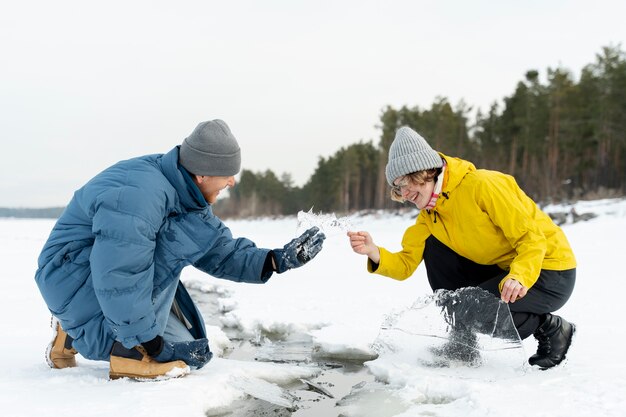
x=477 y=228
x=109 y=272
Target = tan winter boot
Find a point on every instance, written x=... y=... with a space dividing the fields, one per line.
x=137 y=364
x=60 y=353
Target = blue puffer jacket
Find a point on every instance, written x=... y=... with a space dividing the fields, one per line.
x=124 y=239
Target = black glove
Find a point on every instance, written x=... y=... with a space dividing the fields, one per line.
x=299 y=251
x=153 y=347
x=194 y=353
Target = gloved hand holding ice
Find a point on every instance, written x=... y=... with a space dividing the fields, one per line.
x=299 y=251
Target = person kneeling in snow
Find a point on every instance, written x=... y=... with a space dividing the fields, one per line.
x=477 y=228
x=109 y=272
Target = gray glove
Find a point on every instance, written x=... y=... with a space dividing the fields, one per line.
x=299 y=251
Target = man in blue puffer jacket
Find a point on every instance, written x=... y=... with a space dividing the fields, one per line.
x=110 y=269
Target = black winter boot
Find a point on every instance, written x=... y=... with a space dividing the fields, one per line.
x=555 y=338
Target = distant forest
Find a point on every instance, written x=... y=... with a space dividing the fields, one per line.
x=32 y=213
x=563 y=140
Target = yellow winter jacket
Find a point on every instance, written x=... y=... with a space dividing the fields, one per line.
x=484 y=216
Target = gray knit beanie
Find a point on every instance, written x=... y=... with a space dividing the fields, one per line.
x=211 y=150
x=410 y=153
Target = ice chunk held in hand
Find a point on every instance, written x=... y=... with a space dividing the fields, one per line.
x=328 y=224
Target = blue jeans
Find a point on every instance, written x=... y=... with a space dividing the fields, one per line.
x=172 y=329
x=175 y=330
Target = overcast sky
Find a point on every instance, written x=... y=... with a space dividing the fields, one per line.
x=85 y=84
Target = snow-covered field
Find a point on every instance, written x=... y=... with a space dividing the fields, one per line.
x=342 y=307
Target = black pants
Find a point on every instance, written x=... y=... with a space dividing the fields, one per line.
x=450 y=271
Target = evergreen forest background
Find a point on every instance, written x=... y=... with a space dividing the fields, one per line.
x=562 y=139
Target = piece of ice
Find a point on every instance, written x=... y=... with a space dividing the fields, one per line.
x=312 y=386
x=372 y=399
x=263 y=390
x=329 y=224
x=450 y=330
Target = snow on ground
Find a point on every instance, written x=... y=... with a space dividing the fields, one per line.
x=337 y=302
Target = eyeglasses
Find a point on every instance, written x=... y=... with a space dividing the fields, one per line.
x=402 y=184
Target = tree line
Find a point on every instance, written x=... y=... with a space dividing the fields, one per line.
x=32 y=213
x=562 y=139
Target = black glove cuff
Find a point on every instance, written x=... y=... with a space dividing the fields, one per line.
x=153 y=347
x=279 y=259
x=268 y=267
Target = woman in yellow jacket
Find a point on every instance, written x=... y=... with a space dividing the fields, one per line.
x=478 y=228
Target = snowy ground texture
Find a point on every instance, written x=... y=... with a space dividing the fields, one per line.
x=342 y=307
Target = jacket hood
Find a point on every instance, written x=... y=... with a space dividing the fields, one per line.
x=456 y=170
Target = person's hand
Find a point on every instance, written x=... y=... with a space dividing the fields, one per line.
x=363 y=244
x=299 y=251
x=512 y=290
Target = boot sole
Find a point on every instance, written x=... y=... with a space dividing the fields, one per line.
x=173 y=373
x=53 y=324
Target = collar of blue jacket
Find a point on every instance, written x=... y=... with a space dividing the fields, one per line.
x=190 y=196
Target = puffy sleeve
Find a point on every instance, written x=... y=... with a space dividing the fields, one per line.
x=122 y=262
x=235 y=259
x=218 y=253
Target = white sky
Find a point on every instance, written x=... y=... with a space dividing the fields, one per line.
x=85 y=84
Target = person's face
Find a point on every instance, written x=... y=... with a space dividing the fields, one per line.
x=210 y=187
x=416 y=193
